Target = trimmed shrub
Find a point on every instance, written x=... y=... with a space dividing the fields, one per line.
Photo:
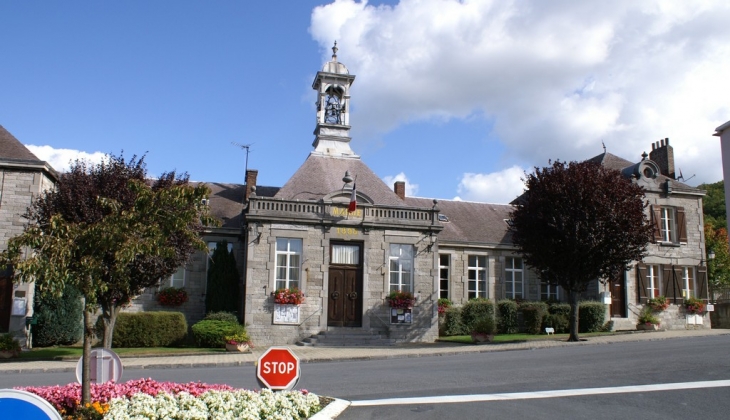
x=222 y=316
x=559 y=322
x=475 y=310
x=591 y=316
x=560 y=309
x=59 y=320
x=484 y=325
x=507 y=320
x=149 y=329
x=212 y=333
x=222 y=293
x=452 y=322
x=532 y=315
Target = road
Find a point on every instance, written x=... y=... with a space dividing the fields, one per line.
x=470 y=379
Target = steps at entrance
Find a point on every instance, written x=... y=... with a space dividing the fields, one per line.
x=347 y=337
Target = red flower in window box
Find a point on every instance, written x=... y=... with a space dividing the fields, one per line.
x=694 y=306
x=400 y=300
x=172 y=296
x=288 y=296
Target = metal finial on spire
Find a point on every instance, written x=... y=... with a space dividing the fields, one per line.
x=604 y=146
x=334 y=52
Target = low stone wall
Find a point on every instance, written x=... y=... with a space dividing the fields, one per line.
x=720 y=317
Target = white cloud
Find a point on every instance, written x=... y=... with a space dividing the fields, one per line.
x=60 y=159
x=498 y=187
x=556 y=78
x=411 y=189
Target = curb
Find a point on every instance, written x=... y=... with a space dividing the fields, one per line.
x=332 y=410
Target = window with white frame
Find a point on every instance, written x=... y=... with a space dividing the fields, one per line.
x=444 y=275
x=401 y=267
x=652 y=281
x=549 y=291
x=288 y=263
x=477 y=276
x=177 y=279
x=513 y=281
x=670 y=224
x=688 y=282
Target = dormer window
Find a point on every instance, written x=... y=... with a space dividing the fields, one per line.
x=443 y=218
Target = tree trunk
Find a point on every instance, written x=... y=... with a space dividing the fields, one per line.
x=573 y=299
x=86 y=357
x=109 y=317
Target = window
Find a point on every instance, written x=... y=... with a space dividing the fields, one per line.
x=652 y=281
x=687 y=282
x=513 y=278
x=477 y=277
x=548 y=291
x=444 y=275
x=177 y=279
x=401 y=267
x=288 y=263
x=670 y=226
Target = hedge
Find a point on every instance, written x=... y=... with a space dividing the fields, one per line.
x=210 y=333
x=452 y=322
x=507 y=320
x=149 y=329
x=532 y=315
x=475 y=310
x=591 y=316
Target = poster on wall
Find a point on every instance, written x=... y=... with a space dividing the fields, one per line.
x=401 y=315
x=286 y=314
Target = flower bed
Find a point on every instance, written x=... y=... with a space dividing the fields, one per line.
x=149 y=399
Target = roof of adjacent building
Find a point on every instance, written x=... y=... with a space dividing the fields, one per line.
x=12 y=149
x=469 y=222
x=322 y=175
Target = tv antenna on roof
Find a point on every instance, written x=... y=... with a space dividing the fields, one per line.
x=247 y=147
x=682 y=176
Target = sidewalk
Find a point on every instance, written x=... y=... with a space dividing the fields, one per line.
x=325 y=354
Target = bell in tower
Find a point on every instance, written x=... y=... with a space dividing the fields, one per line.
x=332 y=134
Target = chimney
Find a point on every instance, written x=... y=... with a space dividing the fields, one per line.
x=663 y=154
x=251 y=176
x=400 y=189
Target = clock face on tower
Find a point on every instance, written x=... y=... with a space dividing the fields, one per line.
x=332 y=110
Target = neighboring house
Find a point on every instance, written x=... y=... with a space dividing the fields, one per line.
x=723 y=132
x=22 y=178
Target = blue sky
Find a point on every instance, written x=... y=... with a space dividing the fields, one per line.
x=457 y=98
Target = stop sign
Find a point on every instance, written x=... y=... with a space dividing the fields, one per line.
x=278 y=368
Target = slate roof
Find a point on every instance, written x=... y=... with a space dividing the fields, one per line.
x=469 y=222
x=614 y=162
x=321 y=175
x=226 y=201
x=12 y=149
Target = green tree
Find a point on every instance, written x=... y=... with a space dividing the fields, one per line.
x=110 y=234
x=223 y=290
x=578 y=222
x=718 y=268
x=58 y=319
x=713 y=204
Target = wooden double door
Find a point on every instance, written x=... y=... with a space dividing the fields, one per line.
x=344 y=303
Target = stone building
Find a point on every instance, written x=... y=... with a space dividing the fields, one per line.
x=22 y=178
x=347 y=240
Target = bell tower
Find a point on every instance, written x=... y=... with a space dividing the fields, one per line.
x=332 y=133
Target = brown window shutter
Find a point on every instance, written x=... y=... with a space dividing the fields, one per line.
x=656 y=215
x=702 y=283
x=668 y=283
x=641 y=271
x=677 y=284
x=681 y=225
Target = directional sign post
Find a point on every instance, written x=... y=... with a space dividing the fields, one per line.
x=278 y=368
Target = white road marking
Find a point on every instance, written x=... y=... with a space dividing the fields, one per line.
x=542 y=394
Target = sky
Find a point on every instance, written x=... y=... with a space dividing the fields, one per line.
x=456 y=98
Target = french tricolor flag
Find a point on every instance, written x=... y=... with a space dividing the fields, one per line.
x=353 y=199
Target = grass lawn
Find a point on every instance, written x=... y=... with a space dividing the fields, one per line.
x=518 y=338
x=74 y=352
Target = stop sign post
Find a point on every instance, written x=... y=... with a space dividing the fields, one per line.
x=278 y=368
